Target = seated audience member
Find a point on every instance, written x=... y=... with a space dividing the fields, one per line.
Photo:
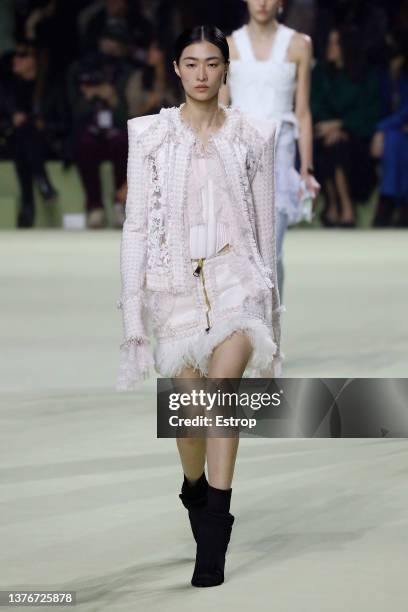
x=52 y=24
x=390 y=142
x=370 y=17
x=345 y=109
x=33 y=115
x=147 y=90
x=98 y=86
x=125 y=13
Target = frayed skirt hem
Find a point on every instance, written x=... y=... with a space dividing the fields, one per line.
x=195 y=351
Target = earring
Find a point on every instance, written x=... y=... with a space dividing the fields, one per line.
x=280 y=10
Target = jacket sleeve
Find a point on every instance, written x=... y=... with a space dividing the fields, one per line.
x=263 y=193
x=136 y=360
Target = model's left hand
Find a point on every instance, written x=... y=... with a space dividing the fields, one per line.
x=311 y=184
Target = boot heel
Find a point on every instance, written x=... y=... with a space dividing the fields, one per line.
x=212 y=543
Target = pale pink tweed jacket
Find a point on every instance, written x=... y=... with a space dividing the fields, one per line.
x=154 y=253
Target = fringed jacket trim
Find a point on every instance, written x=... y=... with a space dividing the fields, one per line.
x=154 y=253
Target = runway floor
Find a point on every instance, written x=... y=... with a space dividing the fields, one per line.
x=88 y=495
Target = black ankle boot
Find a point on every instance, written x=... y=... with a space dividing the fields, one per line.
x=212 y=543
x=194 y=498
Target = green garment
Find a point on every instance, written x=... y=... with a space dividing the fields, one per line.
x=7 y=39
x=335 y=96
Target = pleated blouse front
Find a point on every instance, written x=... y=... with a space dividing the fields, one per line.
x=207 y=202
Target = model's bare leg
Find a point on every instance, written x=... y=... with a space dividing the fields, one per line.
x=192 y=450
x=194 y=490
x=228 y=360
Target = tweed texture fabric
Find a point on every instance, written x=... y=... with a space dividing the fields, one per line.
x=155 y=258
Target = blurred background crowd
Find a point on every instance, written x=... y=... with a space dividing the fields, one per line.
x=73 y=72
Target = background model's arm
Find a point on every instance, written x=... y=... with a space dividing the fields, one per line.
x=302 y=49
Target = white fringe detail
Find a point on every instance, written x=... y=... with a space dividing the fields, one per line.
x=170 y=358
x=135 y=365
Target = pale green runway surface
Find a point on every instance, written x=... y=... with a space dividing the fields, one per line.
x=89 y=495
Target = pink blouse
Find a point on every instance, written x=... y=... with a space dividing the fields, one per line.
x=207 y=202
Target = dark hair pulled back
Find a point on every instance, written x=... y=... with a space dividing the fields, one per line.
x=209 y=33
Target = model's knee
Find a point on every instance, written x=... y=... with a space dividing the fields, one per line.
x=191 y=443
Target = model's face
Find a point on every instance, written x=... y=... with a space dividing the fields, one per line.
x=263 y=10
x=333 y=53
x=201 y=69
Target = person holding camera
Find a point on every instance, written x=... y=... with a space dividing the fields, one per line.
x=97 y=91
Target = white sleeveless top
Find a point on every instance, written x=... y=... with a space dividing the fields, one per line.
x=264 y=89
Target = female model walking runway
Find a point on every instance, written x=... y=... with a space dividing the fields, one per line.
x=270 y=79
x=198 y=267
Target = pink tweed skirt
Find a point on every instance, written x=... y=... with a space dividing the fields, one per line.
x=190 y=326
